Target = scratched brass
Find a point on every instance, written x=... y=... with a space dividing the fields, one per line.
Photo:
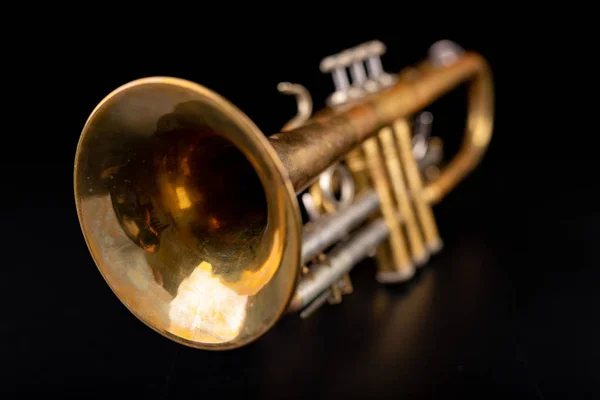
x=190 y=212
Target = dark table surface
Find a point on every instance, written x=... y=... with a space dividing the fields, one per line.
x=508 y=309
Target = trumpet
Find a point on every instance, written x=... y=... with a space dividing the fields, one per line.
x=210 y=231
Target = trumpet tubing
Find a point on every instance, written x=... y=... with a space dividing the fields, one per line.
x=191 y=213
x=396 y=175
x=423 y=209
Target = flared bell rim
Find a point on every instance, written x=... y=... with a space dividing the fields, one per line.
x=282 y=185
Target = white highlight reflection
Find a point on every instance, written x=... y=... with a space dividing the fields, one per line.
x=205 y=305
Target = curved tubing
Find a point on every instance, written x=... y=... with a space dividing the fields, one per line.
x=476 y=139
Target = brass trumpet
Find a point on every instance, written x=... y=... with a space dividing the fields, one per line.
x=192 y=216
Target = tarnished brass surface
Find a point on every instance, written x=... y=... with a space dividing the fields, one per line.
x=326 y=138
x=423 y=209
x=402 y=267
x=401 y=194
x=357 y=165
x=190 y=212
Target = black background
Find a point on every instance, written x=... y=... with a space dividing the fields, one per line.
x=508 y=309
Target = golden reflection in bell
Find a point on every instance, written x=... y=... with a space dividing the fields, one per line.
x=185 y=203
x=188 y=213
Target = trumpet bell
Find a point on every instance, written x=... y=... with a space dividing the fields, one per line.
x=188 y=213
